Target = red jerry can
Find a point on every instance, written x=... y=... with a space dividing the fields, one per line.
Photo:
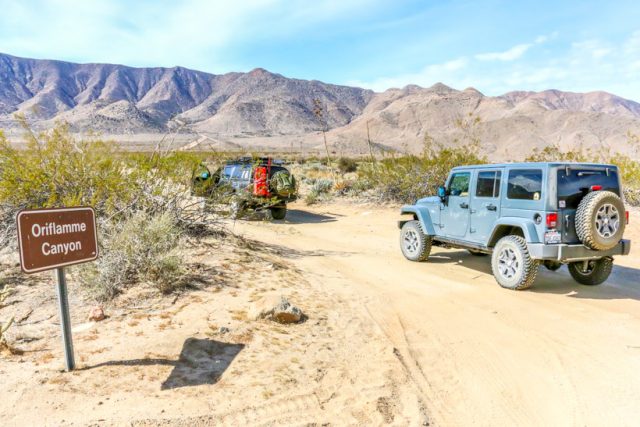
x=260 y=186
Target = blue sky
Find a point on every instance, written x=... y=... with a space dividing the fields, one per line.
x=495 y=46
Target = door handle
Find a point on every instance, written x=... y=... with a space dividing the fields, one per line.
x=492 y=207
x=464 y=205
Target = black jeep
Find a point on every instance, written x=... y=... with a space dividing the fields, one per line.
x=251 y=183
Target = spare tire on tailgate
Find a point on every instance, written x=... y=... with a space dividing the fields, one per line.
x=600 y=220
x=283 y=184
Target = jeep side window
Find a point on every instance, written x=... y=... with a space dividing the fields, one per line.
x=488 y=184
x=459 y=184
x=227 y=172
x=524 y=184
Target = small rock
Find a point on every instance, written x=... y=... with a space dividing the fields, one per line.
x=276 y=308
x=96 y=314
x=224 y=330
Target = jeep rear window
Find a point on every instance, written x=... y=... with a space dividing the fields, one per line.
x=234 y=172
x=572 y=187
x=524 y=184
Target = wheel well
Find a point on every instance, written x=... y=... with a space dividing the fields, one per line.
x=505 y=230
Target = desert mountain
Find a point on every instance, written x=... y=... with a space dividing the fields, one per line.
x=116 y=99
x=509 y=126
x=260 y=109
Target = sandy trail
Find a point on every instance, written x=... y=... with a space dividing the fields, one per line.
x=559 y=354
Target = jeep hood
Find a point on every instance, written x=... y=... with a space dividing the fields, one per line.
x=428 y=200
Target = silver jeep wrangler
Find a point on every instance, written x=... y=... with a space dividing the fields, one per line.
x=524 y=215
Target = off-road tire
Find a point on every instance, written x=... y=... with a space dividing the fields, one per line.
x=279 y=212
x=586 y=216
x=599 y=273
x=412 y=236
x=526 y=269
x=477 y=253
x=552 y=265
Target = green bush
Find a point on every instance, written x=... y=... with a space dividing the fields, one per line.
x=143 y=203
x=407 y=178
x=629 y=168
x=347 y=165
x=55 y=169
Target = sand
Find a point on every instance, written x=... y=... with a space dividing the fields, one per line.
x=386 y=342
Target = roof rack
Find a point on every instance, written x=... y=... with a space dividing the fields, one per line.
x=259 y=160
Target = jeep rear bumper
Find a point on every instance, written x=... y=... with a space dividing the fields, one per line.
x=571 y=253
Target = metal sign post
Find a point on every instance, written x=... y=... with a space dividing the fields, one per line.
x=65 y=319
x=52 y=239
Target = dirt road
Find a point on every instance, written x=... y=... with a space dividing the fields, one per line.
x=559 y=354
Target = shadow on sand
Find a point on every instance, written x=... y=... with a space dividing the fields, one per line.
x=624 y=282
x=201 y=361
x=297 y=216
x=294 y=216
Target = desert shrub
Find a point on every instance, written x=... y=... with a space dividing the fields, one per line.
x=346 y=165
x=55 y=169
x=4 y=294
x=140 y=248
x=143 y=203
x=311 y=198
x=322 y=186
x=343 y=187
x=629 y=168
x=408 y=178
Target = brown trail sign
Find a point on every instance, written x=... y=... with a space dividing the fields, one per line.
x=55 y=238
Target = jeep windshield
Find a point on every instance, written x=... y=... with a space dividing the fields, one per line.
x=574 y=184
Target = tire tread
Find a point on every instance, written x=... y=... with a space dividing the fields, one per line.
x=426 y=241
x=600 y=274
x=530 y=265
x=585 y=229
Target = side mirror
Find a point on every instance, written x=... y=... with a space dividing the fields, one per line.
x=442 y=192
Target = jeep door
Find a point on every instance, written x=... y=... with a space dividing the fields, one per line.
x=455 y=214
x=485 y=204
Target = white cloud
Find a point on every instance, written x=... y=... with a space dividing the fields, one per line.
x=595 y=48
x=191 y=33
x=426 y=77
x=581 y=66
x=515 y=52
x=508 y=55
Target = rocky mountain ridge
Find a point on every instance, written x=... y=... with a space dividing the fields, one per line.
x=260 y=109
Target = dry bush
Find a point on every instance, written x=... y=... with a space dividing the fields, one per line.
x=408 y=178
x=629 y=168
x=140 y=248
x=320 y=188
x=143 y=203
x=347 y=165
x=4 y=294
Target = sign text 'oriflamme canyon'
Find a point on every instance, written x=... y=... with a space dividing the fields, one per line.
x=51 y=238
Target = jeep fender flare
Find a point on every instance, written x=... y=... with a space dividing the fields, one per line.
x=421 y=214
x=503 y=225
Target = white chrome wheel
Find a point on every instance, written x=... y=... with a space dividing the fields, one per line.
x=607 y=220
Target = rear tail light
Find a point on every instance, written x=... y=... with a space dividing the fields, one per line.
x=596 y=187
x=626 y=215
x=552 y=220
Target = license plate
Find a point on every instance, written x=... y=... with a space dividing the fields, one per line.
x=552 y=236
